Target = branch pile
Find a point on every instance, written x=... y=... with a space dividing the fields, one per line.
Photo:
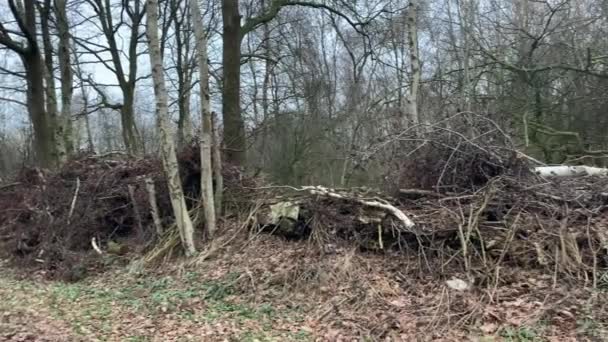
x=464 y=198
x=48 y=220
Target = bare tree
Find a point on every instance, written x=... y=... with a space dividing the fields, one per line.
x=169 y=157
x=183 y=57
x=131 y=16
x=29 y=52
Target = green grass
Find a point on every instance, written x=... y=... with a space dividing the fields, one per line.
x=92 y=308
x=520 y=334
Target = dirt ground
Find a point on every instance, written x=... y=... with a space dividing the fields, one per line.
x=273 y=290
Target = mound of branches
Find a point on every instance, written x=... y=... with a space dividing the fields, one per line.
x=51 y=220
x=459 y=153
x=475 y=202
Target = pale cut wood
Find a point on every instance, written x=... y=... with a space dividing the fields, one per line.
x=396 y=212
x=570 y=171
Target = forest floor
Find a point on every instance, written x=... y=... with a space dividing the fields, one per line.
x=273 y=290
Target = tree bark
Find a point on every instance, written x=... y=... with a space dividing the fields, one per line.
x=234 y=125
x=169 y=158
x=50 y=90
x=206 y=140
x=127 y=120
x=31 y=58
x=216 y=160
x=66 y=75
x=412 y=37
x=184 y=72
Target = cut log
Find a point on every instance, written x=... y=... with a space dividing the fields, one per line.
x=570 y=171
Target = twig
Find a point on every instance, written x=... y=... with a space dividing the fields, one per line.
x=96 y=247
x=6 y=186
x=419 y=192
x=73 y=205
x=110 y=153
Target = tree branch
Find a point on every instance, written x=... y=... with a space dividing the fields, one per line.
x=6 y=40
x=276 y=6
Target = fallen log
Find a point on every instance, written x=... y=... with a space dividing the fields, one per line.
x=377 y=203
x=570 y=171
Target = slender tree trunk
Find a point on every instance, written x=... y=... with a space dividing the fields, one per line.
x=265 y=88
x=466 y=8
x=184 y=122
x=90 y=144
x=66 y=75
x=412 y=37
x=169 y=158
x=217 y=166
x=127 y=119
x=85 y=103
x=234 y=126
x=206 y=134
x=184 y=77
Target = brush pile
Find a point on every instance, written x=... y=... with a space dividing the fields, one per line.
x=458 y=196
x=48 y=220
x=474 y=203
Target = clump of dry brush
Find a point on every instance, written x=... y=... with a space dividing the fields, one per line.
x=475 y=203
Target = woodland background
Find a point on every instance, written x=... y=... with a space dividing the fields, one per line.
x=321 y=84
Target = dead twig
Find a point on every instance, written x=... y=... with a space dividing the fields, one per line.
x=6 y=186
x=73 y=205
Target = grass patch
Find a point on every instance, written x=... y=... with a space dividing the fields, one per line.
x=520 y=334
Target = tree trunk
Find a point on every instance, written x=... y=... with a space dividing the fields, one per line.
x=169 y=158
x=127 y=120
x=43 y=138
x=50 y=90
x=412 y=37
x=205 y=143
x=34 y=71
x=216 y=161
x=184 y=122
x=234 y=126
x=66 y=75
x=184 y=76
x=266 y=45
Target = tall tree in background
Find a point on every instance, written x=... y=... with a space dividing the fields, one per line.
x=29 y=52
x=66 y=75
x=131 y=16
x=168 y=155
x=412 y=40
x=318 y=90
x=46 y=13
x=183 y=58
x=234 y=125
